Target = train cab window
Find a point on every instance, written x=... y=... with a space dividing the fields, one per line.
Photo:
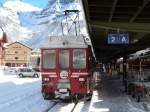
x=49 y=59
x=79 y=59
x=64 y=58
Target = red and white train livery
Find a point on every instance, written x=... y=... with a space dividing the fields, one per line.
x=66 y=66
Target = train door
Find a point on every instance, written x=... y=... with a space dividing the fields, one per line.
x=63 y=70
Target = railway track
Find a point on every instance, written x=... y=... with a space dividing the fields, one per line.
x=74 y=107
x=53 y=105
x=62 y=107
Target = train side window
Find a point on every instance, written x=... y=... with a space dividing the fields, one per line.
x=79 y=58
x=49 y=59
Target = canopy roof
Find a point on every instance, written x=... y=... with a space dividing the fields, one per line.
x=104 y=16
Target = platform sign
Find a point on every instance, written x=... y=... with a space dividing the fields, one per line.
x=118 y=38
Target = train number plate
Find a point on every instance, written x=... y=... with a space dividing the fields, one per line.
x=62 y=90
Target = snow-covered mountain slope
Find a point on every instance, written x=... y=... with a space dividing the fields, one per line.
x=33 y=27
x=10 y=19
x=10 y=23
x=48 y=22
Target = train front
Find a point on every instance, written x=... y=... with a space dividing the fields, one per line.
x=65 y=72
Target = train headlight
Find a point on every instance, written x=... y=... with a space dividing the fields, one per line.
x=63 y=74
x=81 y=79
x=46 y=79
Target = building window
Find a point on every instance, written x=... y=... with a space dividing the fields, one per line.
x=25 y=52
x=16 y=58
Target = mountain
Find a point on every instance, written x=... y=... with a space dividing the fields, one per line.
x=48 y=22
x=10 y=20
x=10 y=23
x=33 y=26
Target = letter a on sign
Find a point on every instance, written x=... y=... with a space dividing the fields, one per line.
x=124 y=39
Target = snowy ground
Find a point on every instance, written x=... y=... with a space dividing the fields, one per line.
x=23 y=95
x=110 y=98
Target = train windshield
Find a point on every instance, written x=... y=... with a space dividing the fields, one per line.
x=64 y=58
x=79 y=58
x=49 y=59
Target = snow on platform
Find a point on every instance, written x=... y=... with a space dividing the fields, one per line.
x=109 y=98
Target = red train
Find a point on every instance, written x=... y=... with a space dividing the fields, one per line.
x=138 y=75
x=67 y=64
x=139 y=68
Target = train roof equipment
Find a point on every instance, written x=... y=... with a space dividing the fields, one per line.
x=67 y=41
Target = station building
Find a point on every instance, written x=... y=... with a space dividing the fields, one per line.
x=17 y=54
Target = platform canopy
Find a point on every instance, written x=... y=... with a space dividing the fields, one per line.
x=105 y=17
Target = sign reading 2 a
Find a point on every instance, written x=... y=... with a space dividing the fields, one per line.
x=118 y=38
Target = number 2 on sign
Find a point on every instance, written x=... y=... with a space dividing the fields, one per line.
x=113 y=39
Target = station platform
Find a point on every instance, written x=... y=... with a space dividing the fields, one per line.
x=109 y=96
